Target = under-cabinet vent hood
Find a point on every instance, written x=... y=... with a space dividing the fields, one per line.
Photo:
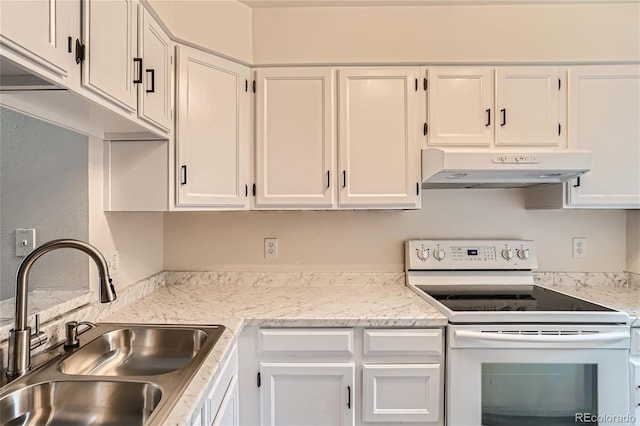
x=500 y=168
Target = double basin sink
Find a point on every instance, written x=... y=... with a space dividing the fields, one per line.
x=121 y=374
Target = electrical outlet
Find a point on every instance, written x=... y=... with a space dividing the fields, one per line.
x=579 y=247
x=271 y=248
x=113 y=262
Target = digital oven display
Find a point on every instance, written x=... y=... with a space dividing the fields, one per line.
x=472 y=252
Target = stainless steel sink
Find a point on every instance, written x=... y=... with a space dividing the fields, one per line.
x=86 y=402
x=136 y=352
x=120 y=374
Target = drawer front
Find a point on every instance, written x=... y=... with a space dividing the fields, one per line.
x=403 y=342
x=317 y=341
x=635 y=341
x=401 y=393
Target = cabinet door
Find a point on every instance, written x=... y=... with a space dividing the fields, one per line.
x=228 y=413
x=110 y=37
x=154 y=93
x=460 y=106
x=401 y=393
x=295 y=137
x=379 y=154
x=527 y=106
x=44 y=31
x=212 y=131
x=307 y=394
x=604 y=106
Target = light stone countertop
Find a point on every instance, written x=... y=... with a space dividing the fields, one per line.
x=274 y=300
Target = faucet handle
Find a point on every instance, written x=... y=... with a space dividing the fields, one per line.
x=38 y=338
x=37 y=329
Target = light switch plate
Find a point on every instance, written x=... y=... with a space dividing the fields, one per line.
x=25 y=241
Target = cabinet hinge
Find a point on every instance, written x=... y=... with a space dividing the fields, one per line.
x=80 y=51
x=425 y=84
x=425 y=129
x=259 y=381
x=559 y=129
x=254 y=86
x=577 y=184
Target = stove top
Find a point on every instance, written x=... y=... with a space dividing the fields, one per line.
x=491 y=282
x=482 y=298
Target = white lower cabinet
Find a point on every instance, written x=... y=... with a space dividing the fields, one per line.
x=221 y=406
x=342 y=376
x=635 y=375
x=401 y=393
x=307 y=393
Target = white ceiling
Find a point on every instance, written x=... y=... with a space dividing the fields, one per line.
x=351 y=3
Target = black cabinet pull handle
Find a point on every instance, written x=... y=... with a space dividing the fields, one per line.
x=328 y=179
x=417 y=188
x=425 y=129
x=344 y=178
x=349 y=397
x=253 y=190
x=503 y=111
x=153 y=81
x=139 y=78
x=184 y=175
x=488 y=123
x=246 y=190
x=70 y=44
x=246 y=85
x=577 y=184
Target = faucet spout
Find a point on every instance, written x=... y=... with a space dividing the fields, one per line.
x=19 y=348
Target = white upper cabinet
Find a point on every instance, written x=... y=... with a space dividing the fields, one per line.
x=379 y=154
x=111 y=67
x=460 y=106
x=295 y=138
x=154 y=93
x=44 y=32
x=494 y=107
x=604 y=117
x=212 y=133
x=527 y=100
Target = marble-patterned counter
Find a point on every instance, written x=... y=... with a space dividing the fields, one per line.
x=274 y=300
x=618 y=291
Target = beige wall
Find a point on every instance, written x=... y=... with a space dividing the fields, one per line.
x=452 y=34
x=223 y=26
x=373 y=240
x=137 y=236
x=633 y=241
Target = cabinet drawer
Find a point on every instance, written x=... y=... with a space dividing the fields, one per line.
x=403 y=342
x=635 y=341
x=325 y=341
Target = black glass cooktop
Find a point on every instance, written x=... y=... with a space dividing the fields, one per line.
x=487 y=298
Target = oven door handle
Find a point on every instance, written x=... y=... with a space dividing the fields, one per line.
x=499 y=337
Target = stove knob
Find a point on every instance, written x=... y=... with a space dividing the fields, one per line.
x=507 y=253
x=439 y=254
x=422 y=253
x=523 y=253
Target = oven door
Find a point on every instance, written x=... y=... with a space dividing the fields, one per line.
x=537 y=375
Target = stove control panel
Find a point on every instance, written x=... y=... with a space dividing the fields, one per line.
x=470 y=255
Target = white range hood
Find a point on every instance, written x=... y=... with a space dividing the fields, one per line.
x=500 y=168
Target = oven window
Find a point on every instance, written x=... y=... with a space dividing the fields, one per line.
x=537 y=394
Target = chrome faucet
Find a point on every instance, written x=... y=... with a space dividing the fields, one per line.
x=21 y=341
